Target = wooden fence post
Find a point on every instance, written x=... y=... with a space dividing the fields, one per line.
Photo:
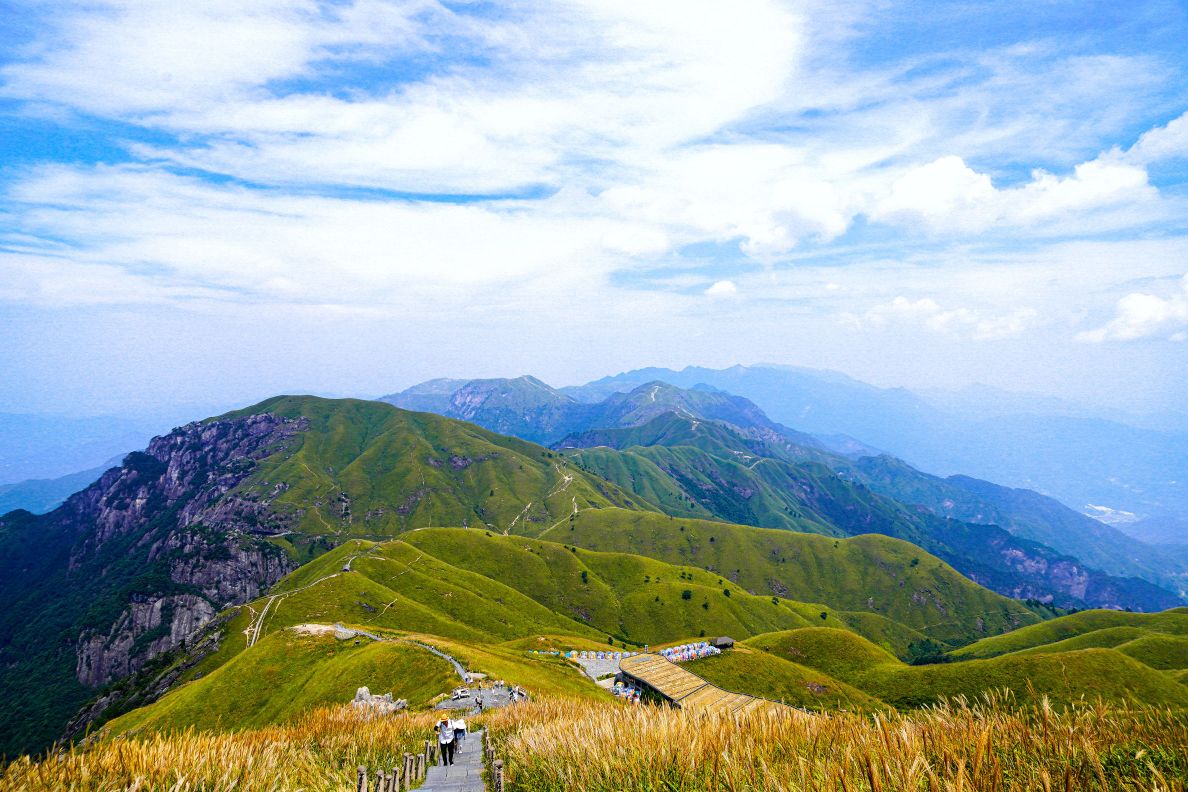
x=361 y=786
x=394 y=784
x=498 y=775
x=408 y=771
x=379 y=780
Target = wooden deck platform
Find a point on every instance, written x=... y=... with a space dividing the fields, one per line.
x=686 y=690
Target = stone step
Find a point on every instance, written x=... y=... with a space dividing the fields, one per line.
x=464 y=775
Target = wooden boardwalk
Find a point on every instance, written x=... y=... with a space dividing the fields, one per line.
x=686 y=690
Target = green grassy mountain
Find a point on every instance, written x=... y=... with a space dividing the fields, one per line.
x=215 y=512
x=701 y=452
x=362 y=468
x=488 y=599
x=1096 y=628
x=476 y=586
x=302 y=509
x=697 y=469
x=865 y=574
x=1063 y=677
x=1070 y=452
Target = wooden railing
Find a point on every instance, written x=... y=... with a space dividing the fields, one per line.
x=496 y=765
x=399 y=779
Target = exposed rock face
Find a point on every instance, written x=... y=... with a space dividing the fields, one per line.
x=1028 y=570
x=170 y=505
x=149 y=627
x=152 y=551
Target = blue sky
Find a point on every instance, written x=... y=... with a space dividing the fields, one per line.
x=212 y=202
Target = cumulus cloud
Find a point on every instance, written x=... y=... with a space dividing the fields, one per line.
x=722 y=288
x=926 y=313
x=1139 y=315
x=948 y=195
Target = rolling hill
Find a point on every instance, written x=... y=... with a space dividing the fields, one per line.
x=864 y=574
x=1087 y=628
x=1063 y=677
x=489 y=599
x=701 y=470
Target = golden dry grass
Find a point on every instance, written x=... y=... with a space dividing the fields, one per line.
x=319 y=751
x=956 y=747
x=573 y=746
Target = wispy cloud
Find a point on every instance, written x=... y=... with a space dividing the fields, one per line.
x=397 y=158
x=928 y=314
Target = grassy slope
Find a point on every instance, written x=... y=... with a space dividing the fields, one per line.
x=1166 y=652
x=885 y=633
x=538 y=674
x=760 y=673
x=715 y=474
x=475 y=587
x=869 y=573
x=1063 y=677
x=1158 y=650
x=1172 y=622
x=369 y=469
x=637 y=599
x=285 y=674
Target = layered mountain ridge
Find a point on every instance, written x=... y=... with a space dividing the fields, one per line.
x=115 y=596
x=705 y=453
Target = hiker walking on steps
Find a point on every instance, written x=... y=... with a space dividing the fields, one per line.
x=459 y=726
x=445 y=741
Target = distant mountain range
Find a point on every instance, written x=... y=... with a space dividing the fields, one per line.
x=705 y=453
x=1074 y=454
x=41 y=495
x=40 y=447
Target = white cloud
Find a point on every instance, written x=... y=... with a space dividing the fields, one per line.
x=722 y=288
x=559 y=85
x=1139 y=315
x=133 y=57
x=948 y=195
x=926 y=313
x=658 y=125
x=1161 y=143
x=259 y=247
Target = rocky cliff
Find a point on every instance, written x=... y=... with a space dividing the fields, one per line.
x=134 y=566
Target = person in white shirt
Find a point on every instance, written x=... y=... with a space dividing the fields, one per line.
x=445 y=740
